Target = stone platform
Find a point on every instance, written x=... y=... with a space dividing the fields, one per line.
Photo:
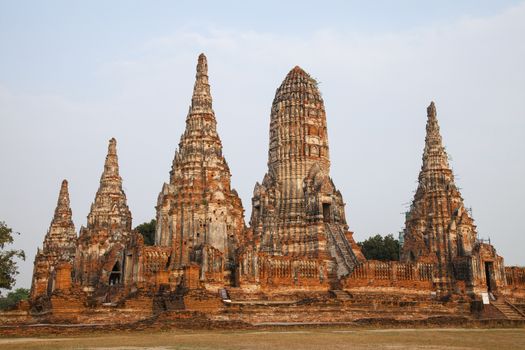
x=203 y=309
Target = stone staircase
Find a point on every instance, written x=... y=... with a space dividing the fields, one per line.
x=510 y=311
x=341 y=295
x=341 y=250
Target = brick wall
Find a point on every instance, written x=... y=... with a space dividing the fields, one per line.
x=515 y=276
x=391 y=274
x=284 y=271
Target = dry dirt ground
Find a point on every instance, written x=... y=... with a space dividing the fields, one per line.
x=328 y=338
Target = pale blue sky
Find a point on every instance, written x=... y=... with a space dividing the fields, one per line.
x=74 y=74
x=53 y=44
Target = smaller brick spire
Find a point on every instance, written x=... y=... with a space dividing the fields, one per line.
x=61 y=236
x=59 y=247
x=108 y=229
x=110 y=208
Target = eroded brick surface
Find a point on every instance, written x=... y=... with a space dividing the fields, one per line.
x=440 y=230
x=296 y=262
x=299 y=232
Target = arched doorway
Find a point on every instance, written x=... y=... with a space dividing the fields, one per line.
x=326 y=212
x=489 y=276
x=115 y=275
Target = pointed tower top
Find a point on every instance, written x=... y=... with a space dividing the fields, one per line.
x=63 y=196
x=110 y=200
x=112 y=147
x=61 y=236
x=111 y=169
x=431 y=110
x=298 y=69
x=434 y=155
x=200 y=139
x=63 y=215
x=202 y=65
x=201 y=101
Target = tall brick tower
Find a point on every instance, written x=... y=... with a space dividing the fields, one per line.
x=297 y=210
x=199 y=215
x=438 y=227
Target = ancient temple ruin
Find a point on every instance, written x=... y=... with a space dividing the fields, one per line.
x=200 y=217
x=440 y=230
x=58 y=251
x=299 y=230
x=297 y=253
x=101 y=244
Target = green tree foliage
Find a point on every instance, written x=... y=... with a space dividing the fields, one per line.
x=8 y=267
x=380 y=248
x=147 y=230
x=12 y=298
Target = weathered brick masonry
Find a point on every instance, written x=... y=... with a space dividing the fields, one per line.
x=296 y=262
